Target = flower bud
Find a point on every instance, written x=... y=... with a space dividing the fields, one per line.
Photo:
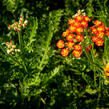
x=9 y=27
x=18 y=29
x=26 y=21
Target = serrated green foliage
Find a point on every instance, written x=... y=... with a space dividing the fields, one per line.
x=12 y=5
x=38 y=82
x=42 y=40
x=32 y=35
x=50 y=81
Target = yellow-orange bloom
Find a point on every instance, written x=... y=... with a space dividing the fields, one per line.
x=60 y=44
x=101 y=28
x=97 y=23
x=64 y=34
x=70 y=44
x=100 y=34
x=71 y=21
x=70 y=37
x=72 y=28
x=77 y=53
x=107 y=33
x=64 y=52
x=79 y=18
x=106 y=70
x=79 y=29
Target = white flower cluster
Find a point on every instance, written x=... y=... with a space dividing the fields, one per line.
x=17 y=26
x=11 y=47
x=79 y=12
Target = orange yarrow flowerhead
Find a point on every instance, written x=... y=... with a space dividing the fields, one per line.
x=107 y=28
x=107 y=33
x=79 y=18
x=77 y=24
x=84 y=23
x=60 y=44
x=71 y=21
x=79 y=38
x=94 y=30
x=70 y=44
x=72 y=28
x=97 y=23
x=94 y=38
x=106 y=70
x=101 y=28
x=64 y=34
x=86 y=18
x=77 y=47
x=100 y=34
x=70 y=37
x=76 y=53
x=79 y=30
x=99 y=42
x=64 y=52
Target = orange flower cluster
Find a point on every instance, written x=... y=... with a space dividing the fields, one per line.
x=17 y=26
x=106 y=71
x=73 y=36
x=99 y=31
x=78 y=32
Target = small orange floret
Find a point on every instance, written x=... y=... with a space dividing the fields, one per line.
x=106 y=70
x=79 y=38
x=70 y=44
x=79 y=18
x=101 y=29
x=84 y=24
x=60 y=44
x=72 y=28
x=99 y=42
x=94 y=30
x=9 y=27
x=94 y=38
x=64 y=52
x=97 y=23
x=107 y=28
x=77 y=53
x=79 y=29
x=64 y=34
x=70 y=37
x=107 y=33
x=71 y=21
x=86 y=18
x=77 y=47
x=100 y=34
x=76 y=24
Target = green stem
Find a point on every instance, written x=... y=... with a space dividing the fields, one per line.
x=91 y=59
x=105 y=49
x=20 y=44
x=20 y=40
x=92 y=54
x=87 y=56
x=99 y=91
